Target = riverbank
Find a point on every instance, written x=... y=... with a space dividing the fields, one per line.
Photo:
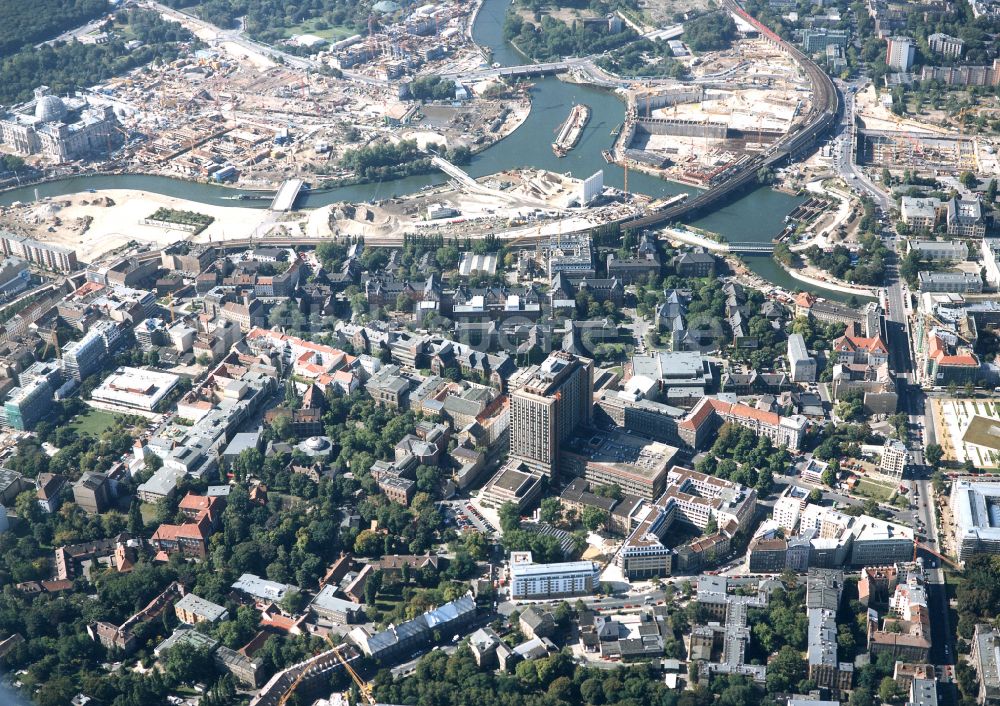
x=842 y=287
x=689 y=237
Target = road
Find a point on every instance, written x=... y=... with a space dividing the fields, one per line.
x=912 y=399
x=212 y=34
x=844 y=143
x=72 y=34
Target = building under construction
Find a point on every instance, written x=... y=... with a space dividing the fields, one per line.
x=913 y=149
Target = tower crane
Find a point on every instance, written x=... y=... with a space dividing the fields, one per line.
x=364 y=688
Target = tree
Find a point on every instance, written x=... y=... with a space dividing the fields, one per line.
x=991 y=192
x=135 y=523
x=510 y=517
x=712 y=526
x=292 y=399
x=367 y=543
x=594 y=518
x=785 y=670
x=610 y=490
x=934 y=454
x=829 y=477
x=889 y=690
x=550 y=510
x=969 y=180
x=815 y=495
x=861 y=697
x=938 y=480
x=186 y=665
x=292 y=602
x=27 y=507
x=282 y=426
x=248 y=463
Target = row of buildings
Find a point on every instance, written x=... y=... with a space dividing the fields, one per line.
x=801 y=536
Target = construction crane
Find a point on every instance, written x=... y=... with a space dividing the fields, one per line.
x=364 y=688
x=291 y=689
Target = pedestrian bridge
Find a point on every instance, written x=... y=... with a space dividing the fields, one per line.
x=523 y=71
x=751 y=248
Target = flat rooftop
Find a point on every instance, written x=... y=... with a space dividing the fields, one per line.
x=634 y=454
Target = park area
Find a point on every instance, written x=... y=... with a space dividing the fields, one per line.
x=93 y=422
x=969 y=430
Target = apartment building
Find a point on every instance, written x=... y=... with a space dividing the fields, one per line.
x=802 y=365
x=690 y=498
x=941 y=43
x=529 y=580
x=549 y=402
x=823 y=591
x=192 y=609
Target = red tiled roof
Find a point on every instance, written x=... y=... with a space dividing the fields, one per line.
x=747 y=412
x=700 y=414
x=939 y=352
x=709 y=406
x=188 y=530
x=850 y=341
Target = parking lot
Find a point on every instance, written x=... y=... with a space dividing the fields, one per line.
x=465 y=517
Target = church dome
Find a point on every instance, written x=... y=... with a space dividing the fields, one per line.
x=50 y=109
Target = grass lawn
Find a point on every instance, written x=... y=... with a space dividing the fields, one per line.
x=874 y=490
x=952 y=580
x=331 y=34
x=901 y=501
x=148 y=512
x=93 y=422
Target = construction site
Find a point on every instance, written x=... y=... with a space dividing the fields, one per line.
x=905 y=149
x=514 y=205
x=527 y=202
x=697 y=132
x=215 y=118
x=935 y=142
x=235 y=111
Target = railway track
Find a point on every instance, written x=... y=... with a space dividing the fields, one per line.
x=822 y=116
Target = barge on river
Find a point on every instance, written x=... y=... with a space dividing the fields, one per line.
x=571 y=131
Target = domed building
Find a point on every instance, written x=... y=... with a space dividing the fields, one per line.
x=316 y=447
x=50 y=109
x=60 y=129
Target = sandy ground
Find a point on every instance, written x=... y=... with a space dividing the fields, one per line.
x=425 y=137
x=113 y=226
x=748 y=109
x=239 y=51
x=877 y=117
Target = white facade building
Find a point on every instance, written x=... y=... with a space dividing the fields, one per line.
x=894 y=459
x=976 y=508
x=991 y=261
x=900 y=53
x=135 y=389
x=786 y=513
x=803 y=366
x=531 y=580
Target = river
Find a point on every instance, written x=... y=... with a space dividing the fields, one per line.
x=757 y=216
